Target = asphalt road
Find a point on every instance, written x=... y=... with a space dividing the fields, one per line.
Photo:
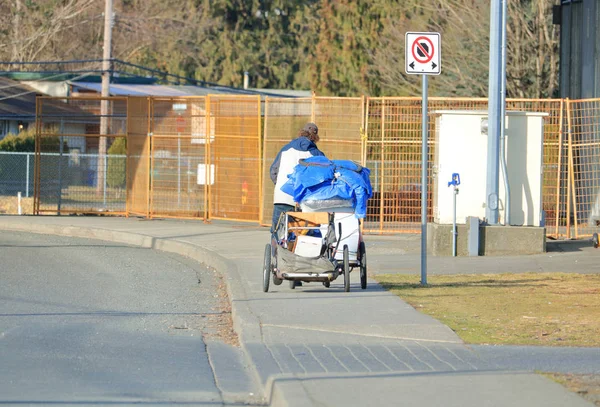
x=86 y=321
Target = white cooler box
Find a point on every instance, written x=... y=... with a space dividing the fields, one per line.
x=308 y=246
x=350 y=234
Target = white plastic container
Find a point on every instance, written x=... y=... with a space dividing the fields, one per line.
x=350 y=234
x=308 y=246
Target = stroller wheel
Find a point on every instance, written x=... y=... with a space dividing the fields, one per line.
x=363 y=265
x=267 y=268
x=346 y=269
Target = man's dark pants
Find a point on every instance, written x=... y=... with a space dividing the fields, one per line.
x=278 y=209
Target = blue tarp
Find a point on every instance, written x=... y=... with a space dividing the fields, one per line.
x=318 y=178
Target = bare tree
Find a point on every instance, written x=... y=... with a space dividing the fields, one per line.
x=532 y=48
x=532 y=57
x=162 y=26
x=157 y=32
x=36 y=28
x=464 y=28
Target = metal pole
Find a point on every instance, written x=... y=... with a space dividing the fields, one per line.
x=27 y=177
x=178 y=170
x=60 y=156
x=454 y=231
x=424 y=161
x=503 y=116
x=105 y=178
x=17 y=29
x=494 y=113
x=108 y=23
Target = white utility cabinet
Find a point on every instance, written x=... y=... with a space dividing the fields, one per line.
x=461 y=147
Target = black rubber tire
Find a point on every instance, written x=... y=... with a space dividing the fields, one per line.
x=292 y=284
x=327 y=284
x=276 y=281
x=346 y=269
x=363 y=265
x=267 y=268
x=595 y=240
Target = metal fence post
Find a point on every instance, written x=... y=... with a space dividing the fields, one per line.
x=178 y=170
x=27 y=177
x=105 y=159
x=60 y=156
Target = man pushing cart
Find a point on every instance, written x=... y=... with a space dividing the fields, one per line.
x=324 y=240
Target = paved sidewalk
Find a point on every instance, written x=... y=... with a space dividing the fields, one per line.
x=319 y=346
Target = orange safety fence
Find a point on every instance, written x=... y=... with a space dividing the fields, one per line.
x=205 y=157
x=555 y=160
x=340 y=122
x=138 y=156
x=178 y=155
x=282 y=120
x=584 y=164
x=393 y=154
x=195 y=157
x=234 y=157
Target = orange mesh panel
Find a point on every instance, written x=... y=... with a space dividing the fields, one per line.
x=394 y=156
x=178 y=157
x=283 y=119
x=234 y=158
x=584 y=162
x=138 y=156
x=340 y=121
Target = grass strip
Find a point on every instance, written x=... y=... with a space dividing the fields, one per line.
x=544 y=309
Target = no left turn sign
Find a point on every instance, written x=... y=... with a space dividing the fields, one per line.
x=423 y=53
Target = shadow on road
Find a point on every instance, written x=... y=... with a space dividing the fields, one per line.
x=567 y=246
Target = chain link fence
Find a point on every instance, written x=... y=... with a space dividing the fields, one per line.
x=70 y=180
x=16 y=173
x=79 y=165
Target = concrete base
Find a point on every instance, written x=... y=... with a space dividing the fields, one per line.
x=493 y=240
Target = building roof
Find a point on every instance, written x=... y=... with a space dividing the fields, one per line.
x=17 y=101
x=117 y=89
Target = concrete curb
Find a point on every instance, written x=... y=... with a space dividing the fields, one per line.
x=245 y=323
x=417 y=388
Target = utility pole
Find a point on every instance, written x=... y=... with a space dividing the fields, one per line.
x=16 y=55
x=495 y=109
x=106 y=57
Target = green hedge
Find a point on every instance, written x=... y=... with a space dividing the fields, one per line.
x=24 y=142
x=115 y=176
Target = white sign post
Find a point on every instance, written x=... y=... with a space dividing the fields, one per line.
x=423 y=57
